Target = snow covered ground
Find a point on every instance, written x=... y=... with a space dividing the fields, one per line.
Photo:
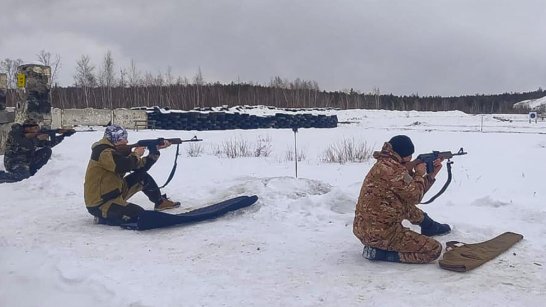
x=295 y=246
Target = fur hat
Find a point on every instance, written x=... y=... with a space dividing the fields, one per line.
x=115 y=133
x=402 y=145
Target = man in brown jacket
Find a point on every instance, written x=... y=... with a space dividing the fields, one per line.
x=389 y=195
x=106 y=188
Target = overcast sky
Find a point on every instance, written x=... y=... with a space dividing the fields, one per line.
x=433 y=47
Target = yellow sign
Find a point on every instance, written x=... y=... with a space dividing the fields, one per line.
x=21 y=80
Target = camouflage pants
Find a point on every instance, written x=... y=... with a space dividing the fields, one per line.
x=18 y=172
x=414 y=247
x=411 y=246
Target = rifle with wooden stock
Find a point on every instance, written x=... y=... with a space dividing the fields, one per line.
x=51 y=134
x=153 y=145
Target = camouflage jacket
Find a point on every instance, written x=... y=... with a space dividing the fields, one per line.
x=20 y=149
x=388 y=195
x=106 y=170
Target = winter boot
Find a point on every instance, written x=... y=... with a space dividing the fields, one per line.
x=372 y=253
x=166 y=203
x=430 y=228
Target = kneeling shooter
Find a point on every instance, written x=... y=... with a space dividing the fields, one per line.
x=390 y=193
x=28 y=148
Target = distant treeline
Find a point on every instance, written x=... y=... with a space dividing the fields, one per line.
x=111 y=86
x=189 y=96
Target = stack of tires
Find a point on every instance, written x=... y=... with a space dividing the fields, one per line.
x=178 y=120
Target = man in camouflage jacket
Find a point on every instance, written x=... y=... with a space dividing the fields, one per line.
x=389 y=195
x=27 y=150
x=107 y=189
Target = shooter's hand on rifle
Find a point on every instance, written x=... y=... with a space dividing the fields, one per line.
x=164 y=144
x=437 y=167
x=139 y=151
x=66 y=132
x=42 y=136
x=154 y=149
x=419 y=169
x=430 y=159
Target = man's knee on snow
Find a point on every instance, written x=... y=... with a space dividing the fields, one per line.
x=437 y=250
x=428 y=252
x=21 y=172
x=44 y=153
x=432 y=251
x=41 y=158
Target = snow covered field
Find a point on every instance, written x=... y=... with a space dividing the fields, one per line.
x=295 y=246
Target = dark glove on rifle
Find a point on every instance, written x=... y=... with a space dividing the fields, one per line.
x=69 y=133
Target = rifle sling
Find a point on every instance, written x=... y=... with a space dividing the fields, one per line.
x=444 y=188
x=171 y=175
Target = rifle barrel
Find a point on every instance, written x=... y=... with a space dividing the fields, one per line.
x=159 y=141
x=460 y=152
x=180 y=141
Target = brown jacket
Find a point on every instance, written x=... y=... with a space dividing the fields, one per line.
x=388 y=195
x=106 y=169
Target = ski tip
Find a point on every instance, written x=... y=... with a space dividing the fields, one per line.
x=253 y=197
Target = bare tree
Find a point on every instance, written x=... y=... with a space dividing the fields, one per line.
x=199 y=82
x=85 y=77
x=279 y=84
x=377 y=97
x=159 y=79
x=9 y=67
x=169 y=78
x=107 y=79
x=122 y=77
x=134 y=75
x=107 y=75
x=198 y=78
x=44 y=57
x=148 y=79
x=182 y=81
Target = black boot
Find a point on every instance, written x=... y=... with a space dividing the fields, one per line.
x=430 y=228
x=372 y=253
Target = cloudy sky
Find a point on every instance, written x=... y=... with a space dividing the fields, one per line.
x=433 y=47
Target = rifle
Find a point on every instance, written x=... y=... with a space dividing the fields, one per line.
x=52 y=133
x=152 y=144
x=429 y=158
